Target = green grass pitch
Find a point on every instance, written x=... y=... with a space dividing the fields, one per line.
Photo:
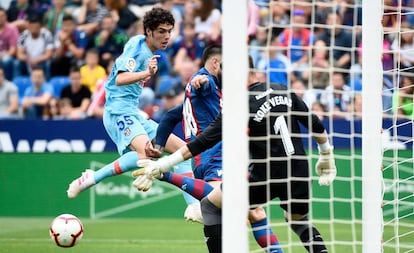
x=153 y=236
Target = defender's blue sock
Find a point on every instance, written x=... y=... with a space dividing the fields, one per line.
x=126 y=162
x=265 y=237
x=184 y=168
x=195 y=187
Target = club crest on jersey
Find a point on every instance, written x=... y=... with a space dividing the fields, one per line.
x=127 y=131
x=130 y=64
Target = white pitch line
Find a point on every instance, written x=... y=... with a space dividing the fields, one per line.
x=93 y=240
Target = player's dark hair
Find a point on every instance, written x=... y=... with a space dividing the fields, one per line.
x=251 y=65
x=67 y=17
x=210 y=51
x=74 y=68
x=35 y=68
x=155 y=17
x=35 y=18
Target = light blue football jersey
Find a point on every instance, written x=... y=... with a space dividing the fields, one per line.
x=124 y=99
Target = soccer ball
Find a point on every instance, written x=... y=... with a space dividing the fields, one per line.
x=66 y=230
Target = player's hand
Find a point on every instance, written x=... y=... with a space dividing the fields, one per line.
x=326 y=168
x=143 y=183
x=148 y=168
x=150 y=151
x=199 y=80
x=153 y=64
x=145 y=176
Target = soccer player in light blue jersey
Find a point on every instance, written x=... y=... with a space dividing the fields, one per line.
x=129 y=130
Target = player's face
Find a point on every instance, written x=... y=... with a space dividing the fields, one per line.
x=158 y=38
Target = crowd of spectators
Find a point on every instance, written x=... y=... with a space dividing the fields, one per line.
x=55 y=55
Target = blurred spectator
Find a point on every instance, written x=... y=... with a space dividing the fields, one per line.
x=89 y=16
x=187 y=69
x=391 y=18
x=296 y=41
x=110 y=40
x=18 y=13
x=306 y=7
x=171 y=92
x=9 y=36
x=253 y=18
x=51 y=110
x=319 y=109
x=34 y=49
x=307 y=95
x=355 y=108
x=5 y=4
x=96 y=108
x=351 y=12
x=91 y=72
x=37 y=96
x=403 y=46
x=187 y=45
x=278 y=18
x=70 y=45
x=207 y=20
x=337 y=96
x=258 y=45
x=277 y=67
x=79 y=96
x=338 y=40
x=139 y=7
x=9 y=97
x=402 y=100
x=54 y=16
x=317 y=74
x=123 y=17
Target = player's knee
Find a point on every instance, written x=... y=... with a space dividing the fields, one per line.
x=211 y=213
x=257 y=214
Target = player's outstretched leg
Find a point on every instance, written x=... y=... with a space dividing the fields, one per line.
x=264 y=236
x=212 y=225
x=193 y=211
x=126 y=162
x=309 y=235
x=195 y=187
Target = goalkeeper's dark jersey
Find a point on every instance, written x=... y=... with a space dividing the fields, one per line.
x=275 y=114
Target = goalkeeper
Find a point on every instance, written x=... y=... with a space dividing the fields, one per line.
x=283 y=112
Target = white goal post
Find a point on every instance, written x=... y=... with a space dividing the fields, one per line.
x=235 y=116
x=372 y=73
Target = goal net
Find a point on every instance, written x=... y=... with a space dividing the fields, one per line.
x=352 y=62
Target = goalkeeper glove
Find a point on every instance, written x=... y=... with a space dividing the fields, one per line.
x=146 y=175
x=325 y=166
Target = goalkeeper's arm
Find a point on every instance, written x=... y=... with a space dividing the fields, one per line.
x=207 y=139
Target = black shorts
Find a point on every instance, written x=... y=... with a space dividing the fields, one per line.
x=291 y=186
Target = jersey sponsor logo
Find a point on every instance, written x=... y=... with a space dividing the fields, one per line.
x=264 y=94
x=130 y=64
x=269 y=104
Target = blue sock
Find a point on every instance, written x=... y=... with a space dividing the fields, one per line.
x=126 y=162
x=195 y=187
x=184 y=168
x=265 y=237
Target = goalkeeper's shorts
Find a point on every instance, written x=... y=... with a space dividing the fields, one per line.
x=291 y=186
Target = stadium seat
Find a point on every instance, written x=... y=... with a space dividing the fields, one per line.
x=22 y=82
x=58 y=83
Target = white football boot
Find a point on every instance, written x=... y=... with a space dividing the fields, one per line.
x=193 y=213
x=81 y=183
